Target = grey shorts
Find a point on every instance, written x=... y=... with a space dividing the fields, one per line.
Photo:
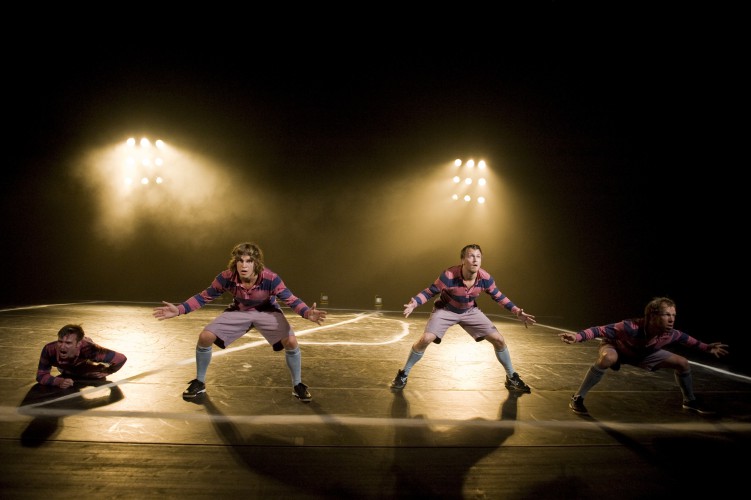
x=648 y=362
x=230 y=326
x=474 y=322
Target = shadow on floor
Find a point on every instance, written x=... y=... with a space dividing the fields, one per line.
x=422 y=463
x=48 y=404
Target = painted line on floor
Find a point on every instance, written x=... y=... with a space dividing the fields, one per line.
x=11 y=414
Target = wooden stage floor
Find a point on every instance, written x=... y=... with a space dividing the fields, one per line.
x=453 y=432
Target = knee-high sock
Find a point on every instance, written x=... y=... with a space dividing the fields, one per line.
x=203 y=358
x=686 y=383
x=593 y=376
x=413 y=358
x=294 y=363
x=504 y=357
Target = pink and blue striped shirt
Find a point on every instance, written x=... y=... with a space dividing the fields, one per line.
x=261 y=295
x=458 y=298
x=90 y=358
x=629 y=338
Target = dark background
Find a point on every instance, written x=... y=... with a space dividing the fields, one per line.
x=611 y=135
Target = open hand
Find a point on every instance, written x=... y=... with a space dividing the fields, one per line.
x=408 y=308
x=525 y=318
x=718 y=349
x=166 y=311
x=315 y=315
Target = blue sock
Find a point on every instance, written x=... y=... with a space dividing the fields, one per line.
x=413 y=358
x=593 y=376
x=294 y=363
x=686 y=383
x=505 y=358
x=203 y=358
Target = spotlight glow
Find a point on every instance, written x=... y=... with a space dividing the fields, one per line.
x=142 y=161
x=474 y=186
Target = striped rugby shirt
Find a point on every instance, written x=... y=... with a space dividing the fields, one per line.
x=629 y=338
x=456 y=297
x=261 y=296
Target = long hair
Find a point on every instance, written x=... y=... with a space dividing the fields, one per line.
x=251 y=250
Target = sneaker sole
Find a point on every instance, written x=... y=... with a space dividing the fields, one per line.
x=579 y=412
x=304 y=400
x=700 y=411
x=525 y=390
x=191 y=396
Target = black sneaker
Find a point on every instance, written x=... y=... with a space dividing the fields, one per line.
x=300 y=391
x=195 y=388
x=400 y=380
x=698 y=407
x=577 y=405
x=516 y=384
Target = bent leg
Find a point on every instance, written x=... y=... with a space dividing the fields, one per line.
x=591 y=379
x=682 y=372
x=606 y=357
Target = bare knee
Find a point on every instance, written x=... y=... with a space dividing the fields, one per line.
x=683 y=365
x=678 y=363
x=607 y=358
x=290 y=343
x=206 y=339
x=499 y=343
x=424 y=341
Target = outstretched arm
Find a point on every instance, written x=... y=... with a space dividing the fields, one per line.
x=166 y=311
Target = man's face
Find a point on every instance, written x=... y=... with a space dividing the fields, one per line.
x=472 y=260
x=67 y=346
x=245 y=267
x=665 y=319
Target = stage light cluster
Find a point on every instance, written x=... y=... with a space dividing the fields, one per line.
x=143 y=162
x=470 y=181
